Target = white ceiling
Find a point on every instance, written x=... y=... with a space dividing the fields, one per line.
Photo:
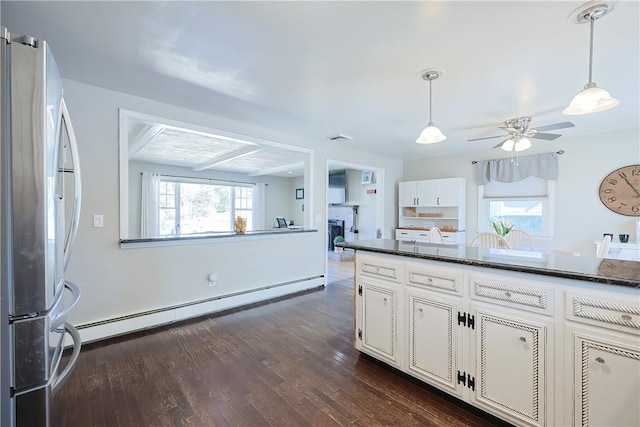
x=315 y=69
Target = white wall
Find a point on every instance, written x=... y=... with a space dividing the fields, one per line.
x=118 y=282
x=580 y=217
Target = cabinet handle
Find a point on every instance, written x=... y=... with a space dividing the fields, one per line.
x=414 y=201
x=507 y=294
x=420 y=310
x=418 y=199
x=523 y=339
x=438 y=201
x=599 y=359
x=385 y=300
x=430 y=280
x=626 y=317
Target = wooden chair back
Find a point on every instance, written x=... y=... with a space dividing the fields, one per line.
x=519 y=239
x=490 y=240
x=435 y=235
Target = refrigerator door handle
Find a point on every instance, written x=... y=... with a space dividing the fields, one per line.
x=60 y=317
x=77 y=184
x=59 y=379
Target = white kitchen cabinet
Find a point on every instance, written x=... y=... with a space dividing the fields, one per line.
x=606 y=383
x=435 y=350
x=433 y=203
x=510 y=365
x=379 y=309
x=407 y=193
x=530 y=349
x=603 y=339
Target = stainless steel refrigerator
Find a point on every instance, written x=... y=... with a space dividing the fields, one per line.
x=39 y=213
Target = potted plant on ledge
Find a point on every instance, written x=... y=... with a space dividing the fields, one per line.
x=338 y=240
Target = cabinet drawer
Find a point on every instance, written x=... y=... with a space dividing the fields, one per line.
x=518 y=294
x=413 y=235
x=608 y=313
x=421 y=276
x=381 y=269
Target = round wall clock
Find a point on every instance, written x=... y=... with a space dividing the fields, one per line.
x=620 y=190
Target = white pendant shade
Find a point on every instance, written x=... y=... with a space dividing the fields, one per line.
x=507 y=145
x=591 y=99
x=430 y=135
x=522 y=144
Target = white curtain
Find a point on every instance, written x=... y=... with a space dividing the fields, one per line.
x=149 y=221
x=258 y=206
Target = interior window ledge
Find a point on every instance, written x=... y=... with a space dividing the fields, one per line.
x=211 y=238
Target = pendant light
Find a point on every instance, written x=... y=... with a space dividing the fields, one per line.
x=591 y=99
x=431 y=134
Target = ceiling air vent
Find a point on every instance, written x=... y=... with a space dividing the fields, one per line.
x=340 y=137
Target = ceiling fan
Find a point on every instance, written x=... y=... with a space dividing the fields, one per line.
x=519 y=132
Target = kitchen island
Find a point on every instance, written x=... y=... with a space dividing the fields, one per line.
x=533 y=338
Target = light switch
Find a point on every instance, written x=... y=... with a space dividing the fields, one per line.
x=98 y=221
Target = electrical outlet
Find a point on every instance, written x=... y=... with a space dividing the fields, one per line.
x=98 y=221
x=213 y=279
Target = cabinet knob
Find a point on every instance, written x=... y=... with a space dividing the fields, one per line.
x=523 y=339
x=385 y=300
x=600 y=360
x=429 y=280
x=420 y=309
x=507 y=294
x=626 y=317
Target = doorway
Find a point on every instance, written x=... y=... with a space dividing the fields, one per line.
x=355 y=202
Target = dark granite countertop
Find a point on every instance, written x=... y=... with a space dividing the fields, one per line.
x=586 y=268
x=222 y=234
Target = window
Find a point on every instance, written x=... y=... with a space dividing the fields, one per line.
x=527 y=203
x=191 y=206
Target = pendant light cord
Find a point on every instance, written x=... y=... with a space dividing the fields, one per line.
x=592 y=20
x=430 y=107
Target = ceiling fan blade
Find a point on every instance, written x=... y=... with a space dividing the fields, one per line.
x=555 y=126
x=547 y=136
x=499 y=145
x=488 y=137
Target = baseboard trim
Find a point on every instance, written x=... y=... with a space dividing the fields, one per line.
x=109 y=328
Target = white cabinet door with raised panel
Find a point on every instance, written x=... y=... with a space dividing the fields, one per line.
x=378 y=329
x=407 y=193
x=435 y=351
x=510 y=358
x=606 y=382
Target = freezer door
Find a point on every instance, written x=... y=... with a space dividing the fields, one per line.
x=38 y=342
x=37 y=407
x=36 y=202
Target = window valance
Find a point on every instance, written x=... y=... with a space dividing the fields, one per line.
x=509 y=170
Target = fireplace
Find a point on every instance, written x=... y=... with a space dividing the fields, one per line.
x=336 y=228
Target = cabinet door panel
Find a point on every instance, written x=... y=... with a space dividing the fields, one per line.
x=427 y=193
x=510 y=371
x=433 y=340
x=448 y=192
x=407 y=193
x=380 y=321
x=607 y=383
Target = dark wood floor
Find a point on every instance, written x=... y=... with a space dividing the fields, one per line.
x=289 y=362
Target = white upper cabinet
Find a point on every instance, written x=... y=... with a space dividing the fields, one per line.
x=432 y=192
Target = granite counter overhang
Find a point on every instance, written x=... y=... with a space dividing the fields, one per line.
x=585 y=268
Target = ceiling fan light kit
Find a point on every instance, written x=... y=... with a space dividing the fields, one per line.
x=591 y=99
x=431 y=134
x=519 y=132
